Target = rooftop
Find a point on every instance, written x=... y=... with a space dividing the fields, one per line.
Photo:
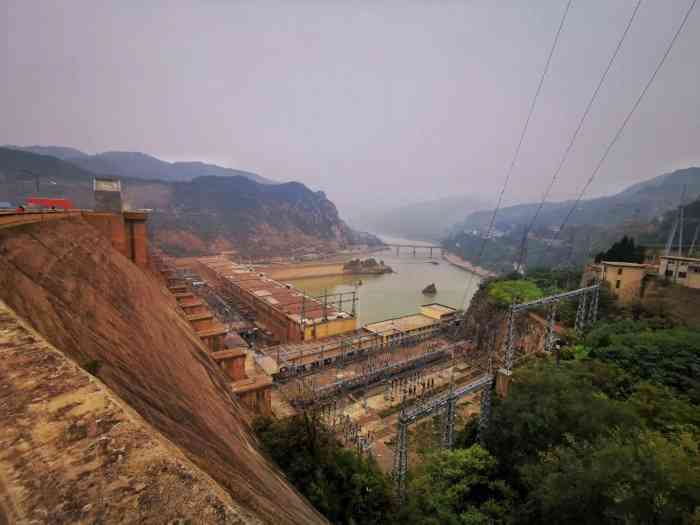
x=402 y=324
x=625 y=264
x=222 y=355
x=440 y=308
x=199 y=317
x=253 y=383
x=680 y=258
x=282 y=297
x=209 y=332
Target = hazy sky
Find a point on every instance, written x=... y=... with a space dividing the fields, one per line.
x=375 y=102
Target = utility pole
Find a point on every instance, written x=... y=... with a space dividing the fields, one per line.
x=695 y=239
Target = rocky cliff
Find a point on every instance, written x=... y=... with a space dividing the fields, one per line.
x=236 y=213
x=100 y=310
x=204 y=215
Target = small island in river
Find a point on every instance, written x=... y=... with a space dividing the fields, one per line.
x=367 y=266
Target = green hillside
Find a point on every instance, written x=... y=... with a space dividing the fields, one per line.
x=645 y=211
x=641 y=202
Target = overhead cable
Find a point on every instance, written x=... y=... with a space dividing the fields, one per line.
x=520 y=142
x=622 y=127
x=565 y=156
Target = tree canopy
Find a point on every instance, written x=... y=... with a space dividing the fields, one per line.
x=623 y=250
x=509 y=291
x=344 y=486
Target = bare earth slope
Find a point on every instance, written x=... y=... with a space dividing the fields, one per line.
x=72 y=452
x=93 y=304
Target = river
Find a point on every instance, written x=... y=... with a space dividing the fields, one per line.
x=396 y=294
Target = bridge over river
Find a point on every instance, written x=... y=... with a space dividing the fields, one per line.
x=415 y=248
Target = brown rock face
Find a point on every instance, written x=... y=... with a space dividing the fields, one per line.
x=72 y=452
x=94 y=305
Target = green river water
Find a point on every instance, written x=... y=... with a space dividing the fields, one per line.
x=396 y=294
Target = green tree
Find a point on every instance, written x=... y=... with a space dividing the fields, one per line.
x=457 y=487
x=623 y=250
x=507 y=292
x=617 y=478
x=663 y=411
x=546 y=403
x=342 y=485
x=667 y=357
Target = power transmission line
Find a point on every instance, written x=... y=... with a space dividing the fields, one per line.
x=520 y=142
x=565 y=156
x=623 y=125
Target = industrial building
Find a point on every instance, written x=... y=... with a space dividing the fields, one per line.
x=289 y=315
x=409 y=329
x=225 y=347
x=428 y=323
x=684 y=271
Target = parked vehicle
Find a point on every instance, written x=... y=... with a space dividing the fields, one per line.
x=46 y=203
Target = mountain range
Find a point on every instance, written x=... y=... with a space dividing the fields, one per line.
x=644 y=210
x=206 y=214
x=641 y=202
x=138 y=165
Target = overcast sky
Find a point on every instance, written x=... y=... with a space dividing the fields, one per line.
x=375 y=102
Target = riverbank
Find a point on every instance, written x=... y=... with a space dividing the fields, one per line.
x=457 y=261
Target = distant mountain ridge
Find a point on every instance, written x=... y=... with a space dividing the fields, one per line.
x=208 y=214
x=641 y=202
x=139 y=165
x=60 y=152
x=643 y=210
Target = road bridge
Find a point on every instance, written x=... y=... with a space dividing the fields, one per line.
x=415 y=247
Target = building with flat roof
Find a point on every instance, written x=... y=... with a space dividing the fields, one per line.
x=438 y=311
x=426 y=324
x=681 y=270
x=624 y=279
x=285 y=312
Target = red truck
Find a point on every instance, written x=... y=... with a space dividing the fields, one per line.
x=49 y=203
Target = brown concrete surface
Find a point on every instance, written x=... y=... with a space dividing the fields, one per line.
x=94 y=304
x=72 y=452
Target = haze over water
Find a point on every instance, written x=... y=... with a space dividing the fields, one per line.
x=400 y=293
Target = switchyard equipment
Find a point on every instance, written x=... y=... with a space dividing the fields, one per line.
x=376 y=374
x=295 y=360
x=447 y=405
x=586 y=314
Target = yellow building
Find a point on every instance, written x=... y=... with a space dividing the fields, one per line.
x=625 y=279
x=438 y=311
x=426 y=324
x=684 y=271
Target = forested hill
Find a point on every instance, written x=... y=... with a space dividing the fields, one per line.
x=645 y=211
x=205 y=215
x=139 y=165
x=641 y=202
